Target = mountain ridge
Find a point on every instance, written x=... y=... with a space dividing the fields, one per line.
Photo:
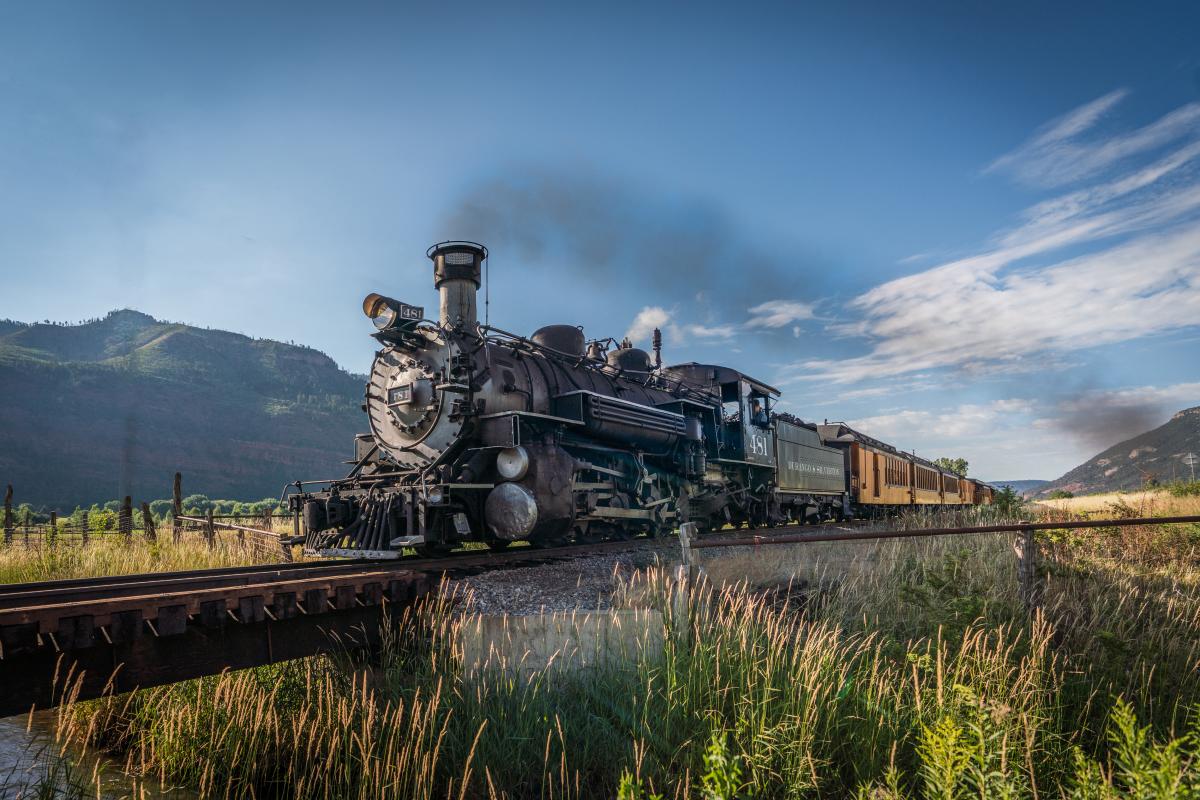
x=116 y=405
x=1022 y=487
x=1130 y=464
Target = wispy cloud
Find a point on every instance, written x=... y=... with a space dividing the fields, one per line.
x=964 y=420
x=778 y=313
x=996 y=310
x=1060 y=154
x=710 y=332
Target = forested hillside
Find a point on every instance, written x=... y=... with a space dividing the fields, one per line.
x=115 y=406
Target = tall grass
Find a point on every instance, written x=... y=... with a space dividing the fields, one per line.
x=921 y=678
x=916 y=674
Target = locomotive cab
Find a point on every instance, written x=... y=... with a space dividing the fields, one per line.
x=747 y=433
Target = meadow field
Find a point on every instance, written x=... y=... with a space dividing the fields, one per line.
x=1148 y=503
x=918 y=674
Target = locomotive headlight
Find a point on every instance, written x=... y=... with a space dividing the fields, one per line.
x=386 y=313
x=434 y=497
x=380 y=310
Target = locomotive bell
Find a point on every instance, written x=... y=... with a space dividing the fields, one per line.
x=457 y=267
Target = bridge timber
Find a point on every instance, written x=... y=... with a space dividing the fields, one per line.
x=115 y=635
x=112 y=635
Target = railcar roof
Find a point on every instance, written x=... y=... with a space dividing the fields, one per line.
x=841 y=432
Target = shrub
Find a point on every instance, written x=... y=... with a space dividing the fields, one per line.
x=1007 y=502
x=1184 y=488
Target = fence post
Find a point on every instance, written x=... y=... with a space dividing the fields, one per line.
x=84 y=528
x=689 y=570
x=125 y=518
x=1026 y=547
x=52 y=536
x=148 y=523
x=687 y=532
x=176 y=507
x=210 y=531
x=269 y=520
x=8 y=517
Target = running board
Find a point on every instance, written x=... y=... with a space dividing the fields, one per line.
x=347 y=553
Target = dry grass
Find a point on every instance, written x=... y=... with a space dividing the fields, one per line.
x=112 y=555
x=1149 y=503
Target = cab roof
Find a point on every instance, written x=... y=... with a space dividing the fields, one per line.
x=708 y=376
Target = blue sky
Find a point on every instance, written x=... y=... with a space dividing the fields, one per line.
x=972 y=230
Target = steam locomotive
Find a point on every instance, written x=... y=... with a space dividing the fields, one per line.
x=482 y=435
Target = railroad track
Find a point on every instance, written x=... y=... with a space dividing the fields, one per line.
x=23 y=597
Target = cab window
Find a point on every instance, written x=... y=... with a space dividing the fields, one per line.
x=731 y=403
x=759 y=410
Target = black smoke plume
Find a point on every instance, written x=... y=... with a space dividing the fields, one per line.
x=1099 y=418
x=1101 y=425
x=603 y=230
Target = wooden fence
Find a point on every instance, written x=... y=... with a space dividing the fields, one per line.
x=256 y=533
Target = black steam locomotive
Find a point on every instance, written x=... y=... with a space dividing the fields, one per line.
x=482 y=435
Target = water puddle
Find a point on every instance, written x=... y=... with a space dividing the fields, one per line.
x=525 y=645
x=31 y=762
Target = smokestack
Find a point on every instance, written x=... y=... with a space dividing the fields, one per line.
x=457 y=267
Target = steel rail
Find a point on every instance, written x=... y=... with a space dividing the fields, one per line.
x=923 y=532
x=84 y=590
x=68 y=583
x=19 y=594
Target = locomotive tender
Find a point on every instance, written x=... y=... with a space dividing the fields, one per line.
x=482 y=435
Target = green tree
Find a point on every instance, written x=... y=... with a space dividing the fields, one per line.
x=955 y=465
x=24 y=513
x=1008 y=502
x=160 y=508
x=196 y=504
x=1060 y=494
